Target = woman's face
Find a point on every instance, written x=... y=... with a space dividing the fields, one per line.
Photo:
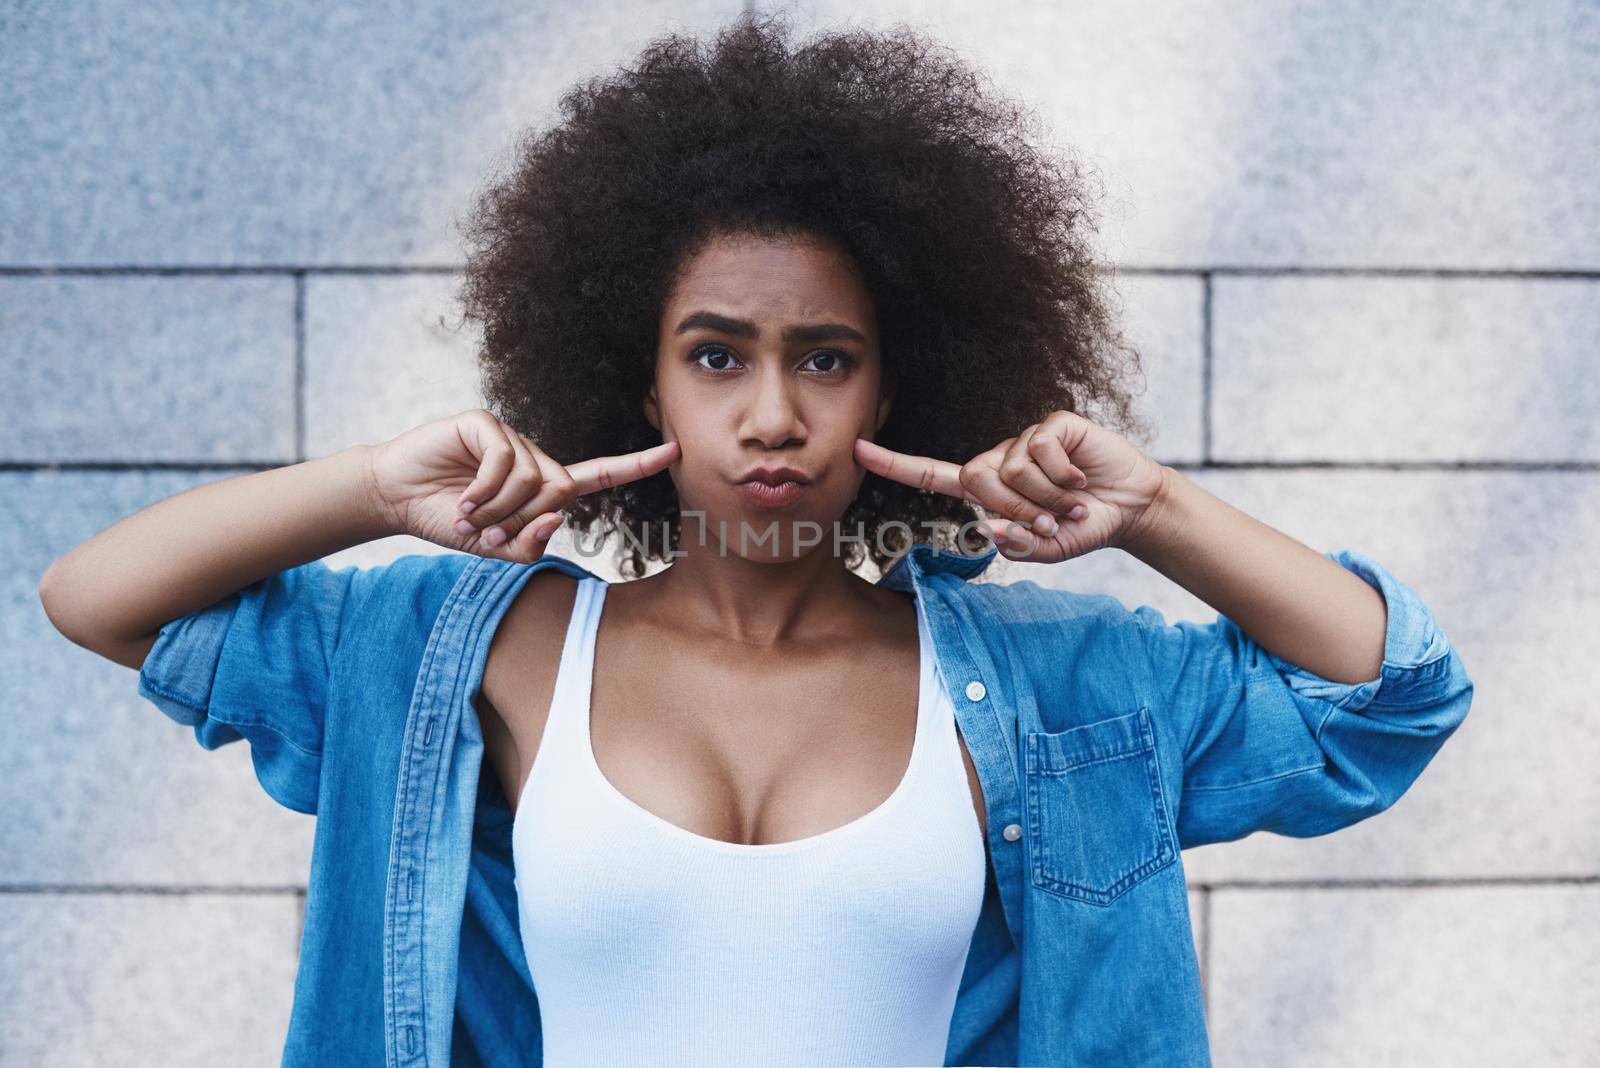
x=767 y=356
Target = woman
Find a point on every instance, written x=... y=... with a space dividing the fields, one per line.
x=766 y=312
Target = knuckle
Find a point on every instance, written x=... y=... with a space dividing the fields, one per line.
x=527 y=480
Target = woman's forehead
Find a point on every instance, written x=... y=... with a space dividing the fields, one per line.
x=771 y=285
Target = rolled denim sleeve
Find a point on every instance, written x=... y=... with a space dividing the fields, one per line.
x=1271 y=746
x=257 y=665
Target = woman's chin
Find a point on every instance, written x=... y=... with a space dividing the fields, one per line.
x=764 y=533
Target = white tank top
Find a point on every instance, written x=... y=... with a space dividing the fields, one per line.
x=651 y=944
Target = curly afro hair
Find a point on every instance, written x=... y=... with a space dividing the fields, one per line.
x=972 y=244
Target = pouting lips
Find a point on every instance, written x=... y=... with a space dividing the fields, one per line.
x=768 y=495
x=775 y=476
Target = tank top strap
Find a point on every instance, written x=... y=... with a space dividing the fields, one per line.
x=567 y=722
x=947 y=771
x=927 y=707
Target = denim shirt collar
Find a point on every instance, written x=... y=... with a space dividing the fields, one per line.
x=922 y=560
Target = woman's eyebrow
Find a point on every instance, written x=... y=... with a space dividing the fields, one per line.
x=744 y=328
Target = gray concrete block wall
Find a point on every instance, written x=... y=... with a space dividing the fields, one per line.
x=1359 y=246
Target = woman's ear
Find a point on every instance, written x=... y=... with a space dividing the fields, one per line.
x=652 y=410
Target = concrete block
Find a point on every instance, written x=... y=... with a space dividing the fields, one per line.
x=1405 y=369
x=140 y=368
x=1260 y=134
x=1459 y=975
x=172 y=979
x=283 y=134
x=378 y=359
x=1162 y=318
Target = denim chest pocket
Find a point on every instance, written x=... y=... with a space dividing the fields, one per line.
x=1097 y=822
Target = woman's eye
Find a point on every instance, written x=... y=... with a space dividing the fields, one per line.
x=835 y=361
x=714 y=352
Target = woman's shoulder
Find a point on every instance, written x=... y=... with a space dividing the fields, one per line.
x=538 y=616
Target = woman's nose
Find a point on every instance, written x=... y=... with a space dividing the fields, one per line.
x=772 y=417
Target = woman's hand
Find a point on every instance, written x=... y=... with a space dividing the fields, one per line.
x=468 y=481
x=1063 y=487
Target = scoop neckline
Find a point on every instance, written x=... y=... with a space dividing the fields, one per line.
x=896 y=798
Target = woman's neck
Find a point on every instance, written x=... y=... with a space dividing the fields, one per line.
x=758 y=602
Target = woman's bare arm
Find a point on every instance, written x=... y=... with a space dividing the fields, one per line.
x=1295 y=602
x=113 y=593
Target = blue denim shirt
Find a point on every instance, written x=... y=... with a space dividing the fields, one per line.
x=1106 y=741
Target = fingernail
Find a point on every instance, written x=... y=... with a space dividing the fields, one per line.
x=549 y=528
x=464 y=527
x=1078 y=512
x=467 y=506
x=1046 y=524
x=493 y=536
x=1079 y=482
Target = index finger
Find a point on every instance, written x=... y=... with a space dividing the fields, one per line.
x=923 y=472
x=603 y=472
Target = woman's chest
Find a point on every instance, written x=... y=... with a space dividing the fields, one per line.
x=729 y=743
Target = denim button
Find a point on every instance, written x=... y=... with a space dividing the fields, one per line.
x=1012 y=832
x=975 y=690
